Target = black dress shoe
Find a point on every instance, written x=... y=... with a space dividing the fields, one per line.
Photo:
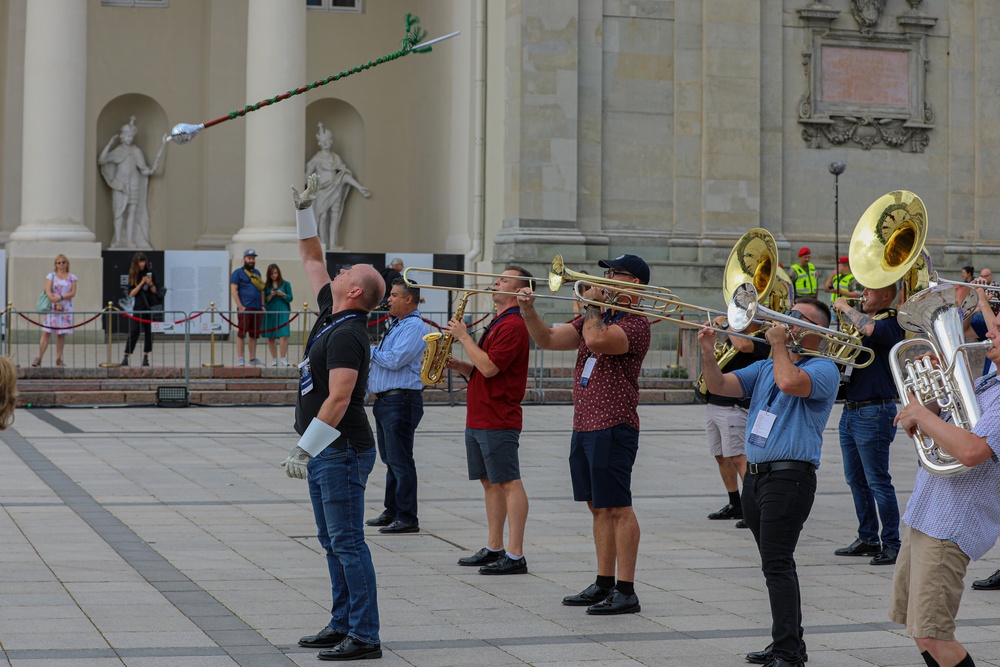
x=767 y=655
x=990 y=583
x=482 y=557
x=778 y=662
x=398 y=526
x=506 y=565
x=885 y=557
x=382 y=519
x=325 y=638
x=860 y=548
x=351 y=649
x=727 y=512
x=616 y=603
x=742 y=524
x=588 y=596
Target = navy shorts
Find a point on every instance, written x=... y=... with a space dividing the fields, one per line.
x=492 y=455
x=600 y=464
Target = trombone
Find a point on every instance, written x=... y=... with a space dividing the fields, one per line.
x=745 y=308
x=473 y=290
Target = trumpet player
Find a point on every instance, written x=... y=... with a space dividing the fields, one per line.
x=610 y=345
x=791 y=397
x=867 y=428
x=951 y=520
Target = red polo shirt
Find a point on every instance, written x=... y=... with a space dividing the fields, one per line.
x=495 y=403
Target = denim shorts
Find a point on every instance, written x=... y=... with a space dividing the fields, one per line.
x=600 y=464
x=492 y=455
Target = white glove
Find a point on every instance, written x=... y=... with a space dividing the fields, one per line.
x=295 y=464
x=304 y=199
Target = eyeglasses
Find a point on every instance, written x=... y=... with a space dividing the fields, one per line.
x=611 y=273
x=62 y=261
x=799 y=315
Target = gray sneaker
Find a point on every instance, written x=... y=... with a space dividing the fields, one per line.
x=256 y=362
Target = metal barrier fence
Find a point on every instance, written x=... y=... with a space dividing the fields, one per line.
x=199 y=348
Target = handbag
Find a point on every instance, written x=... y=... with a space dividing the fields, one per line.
x=44 y=303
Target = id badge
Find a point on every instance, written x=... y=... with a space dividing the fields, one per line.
x=762 y=426
x=305 y=377
x=588 y=368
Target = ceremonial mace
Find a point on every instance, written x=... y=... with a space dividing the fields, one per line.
x=412 y=42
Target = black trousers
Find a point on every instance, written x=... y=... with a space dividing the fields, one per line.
x=134 y=327
x=775 y=507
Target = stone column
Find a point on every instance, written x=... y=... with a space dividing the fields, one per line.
x=54 y=158
x=275 y=155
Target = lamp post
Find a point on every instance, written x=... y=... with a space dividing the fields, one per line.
x=836 y=168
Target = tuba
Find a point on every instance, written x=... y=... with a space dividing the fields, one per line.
x=439 y=349
x=935 y=313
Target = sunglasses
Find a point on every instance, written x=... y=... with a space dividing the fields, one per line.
x=798 y=315
x=62 y=261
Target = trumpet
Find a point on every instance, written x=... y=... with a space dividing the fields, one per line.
x=744 y=309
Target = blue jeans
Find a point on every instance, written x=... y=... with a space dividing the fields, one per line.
x=865 y=437
x=337 y=481
x=396 y=419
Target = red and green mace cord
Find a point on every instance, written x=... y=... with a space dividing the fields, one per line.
x=411 y=43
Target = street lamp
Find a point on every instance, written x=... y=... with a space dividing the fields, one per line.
x=836 y=168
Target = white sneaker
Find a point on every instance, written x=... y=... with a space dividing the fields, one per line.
x=284 y=362
x=256 y=362
x=240 y=362
x=274 y=362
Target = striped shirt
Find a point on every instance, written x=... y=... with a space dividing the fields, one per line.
x=396 y=360
x=964 y=508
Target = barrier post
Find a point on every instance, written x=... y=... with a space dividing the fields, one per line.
x=109 y=363
x=211 y=329
x=10 y=307
x=305 y=326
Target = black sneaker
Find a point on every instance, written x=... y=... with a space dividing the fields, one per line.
x=145 y=360
x=124 y=361
x=506 y=565
x=482 y=557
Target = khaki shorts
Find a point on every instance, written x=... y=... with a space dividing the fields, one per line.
x=927 y=587
x=726 y=427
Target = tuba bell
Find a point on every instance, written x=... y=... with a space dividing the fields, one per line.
x=888 y=240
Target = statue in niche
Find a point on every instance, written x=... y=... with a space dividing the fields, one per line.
x=124 y=170
x=867 y=13
x=335 y=182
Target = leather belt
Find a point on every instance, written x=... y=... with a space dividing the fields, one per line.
x=398 y=392
x=774 y=466
x=857 y=405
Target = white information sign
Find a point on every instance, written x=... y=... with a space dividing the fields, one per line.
x=195 y=279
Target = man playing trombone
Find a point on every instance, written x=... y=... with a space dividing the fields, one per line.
x=952 y=520
x=791 y=396
x=610 y=345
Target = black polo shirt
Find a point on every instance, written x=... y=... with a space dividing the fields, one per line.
x=343 y=346
x=874 y=382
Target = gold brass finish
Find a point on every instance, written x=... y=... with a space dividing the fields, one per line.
x=888 y=240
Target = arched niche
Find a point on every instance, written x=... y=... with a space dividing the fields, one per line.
x=348 y=129
x=151 y=123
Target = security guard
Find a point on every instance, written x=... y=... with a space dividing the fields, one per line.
x=839 y=283
x=805 y=275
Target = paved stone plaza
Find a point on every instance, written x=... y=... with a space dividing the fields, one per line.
x=172 y=538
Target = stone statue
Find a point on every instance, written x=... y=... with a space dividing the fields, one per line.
x=335 y=182
x=124 y=170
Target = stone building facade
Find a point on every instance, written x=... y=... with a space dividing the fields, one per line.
x=585 y=127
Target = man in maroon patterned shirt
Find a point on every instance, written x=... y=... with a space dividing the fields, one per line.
x=610 y=348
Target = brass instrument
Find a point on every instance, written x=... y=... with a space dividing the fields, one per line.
x=935 y=313
x=889 y=239
x=657 y=299
x=439 y=348
x=745 y=308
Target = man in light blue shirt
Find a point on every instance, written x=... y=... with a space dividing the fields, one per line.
x=394 y=379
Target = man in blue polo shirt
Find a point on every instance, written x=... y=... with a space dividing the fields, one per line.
x=791 y=396
x=247 y=288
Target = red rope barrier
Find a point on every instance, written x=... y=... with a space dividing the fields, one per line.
x=441 y=328
x=258 y=331
x=180 y=321
x=44 y=326
x=379 y=321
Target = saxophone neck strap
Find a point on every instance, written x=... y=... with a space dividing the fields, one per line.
x=496 y=320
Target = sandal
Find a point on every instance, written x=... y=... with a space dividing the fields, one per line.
x=36 y=363
x=59 y=362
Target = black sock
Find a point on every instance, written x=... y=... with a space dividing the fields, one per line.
x=966 y=662
x=625 y=587
x=605 y=583
x=929 y=659
x=734 y=499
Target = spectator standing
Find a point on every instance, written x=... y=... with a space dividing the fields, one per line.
x=60 y=287
x=247 y=287
x=277 y=307
x=145 y=294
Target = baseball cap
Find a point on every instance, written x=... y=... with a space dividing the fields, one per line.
x=803 y=252
x=249 y=252
x=630 y=263
x=844 y=260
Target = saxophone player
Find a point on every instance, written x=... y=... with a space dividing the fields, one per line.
x=951 y=520
x=867 y=429
x=498 y=375
x=394 y=379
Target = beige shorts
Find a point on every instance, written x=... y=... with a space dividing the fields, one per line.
x=927 y=586
x=726 y=427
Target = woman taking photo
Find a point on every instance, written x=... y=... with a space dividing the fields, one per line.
x=143 y=289
x=60 y=287
x=277 y=305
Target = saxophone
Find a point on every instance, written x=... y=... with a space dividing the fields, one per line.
x=439 y=349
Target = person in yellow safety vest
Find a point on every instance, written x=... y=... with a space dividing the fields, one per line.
x=839 y=283
x=805 y=275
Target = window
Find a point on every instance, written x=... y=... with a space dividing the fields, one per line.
x=335 y=5
x=133 y=3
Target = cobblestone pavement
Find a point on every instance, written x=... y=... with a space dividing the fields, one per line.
x=171 y=537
